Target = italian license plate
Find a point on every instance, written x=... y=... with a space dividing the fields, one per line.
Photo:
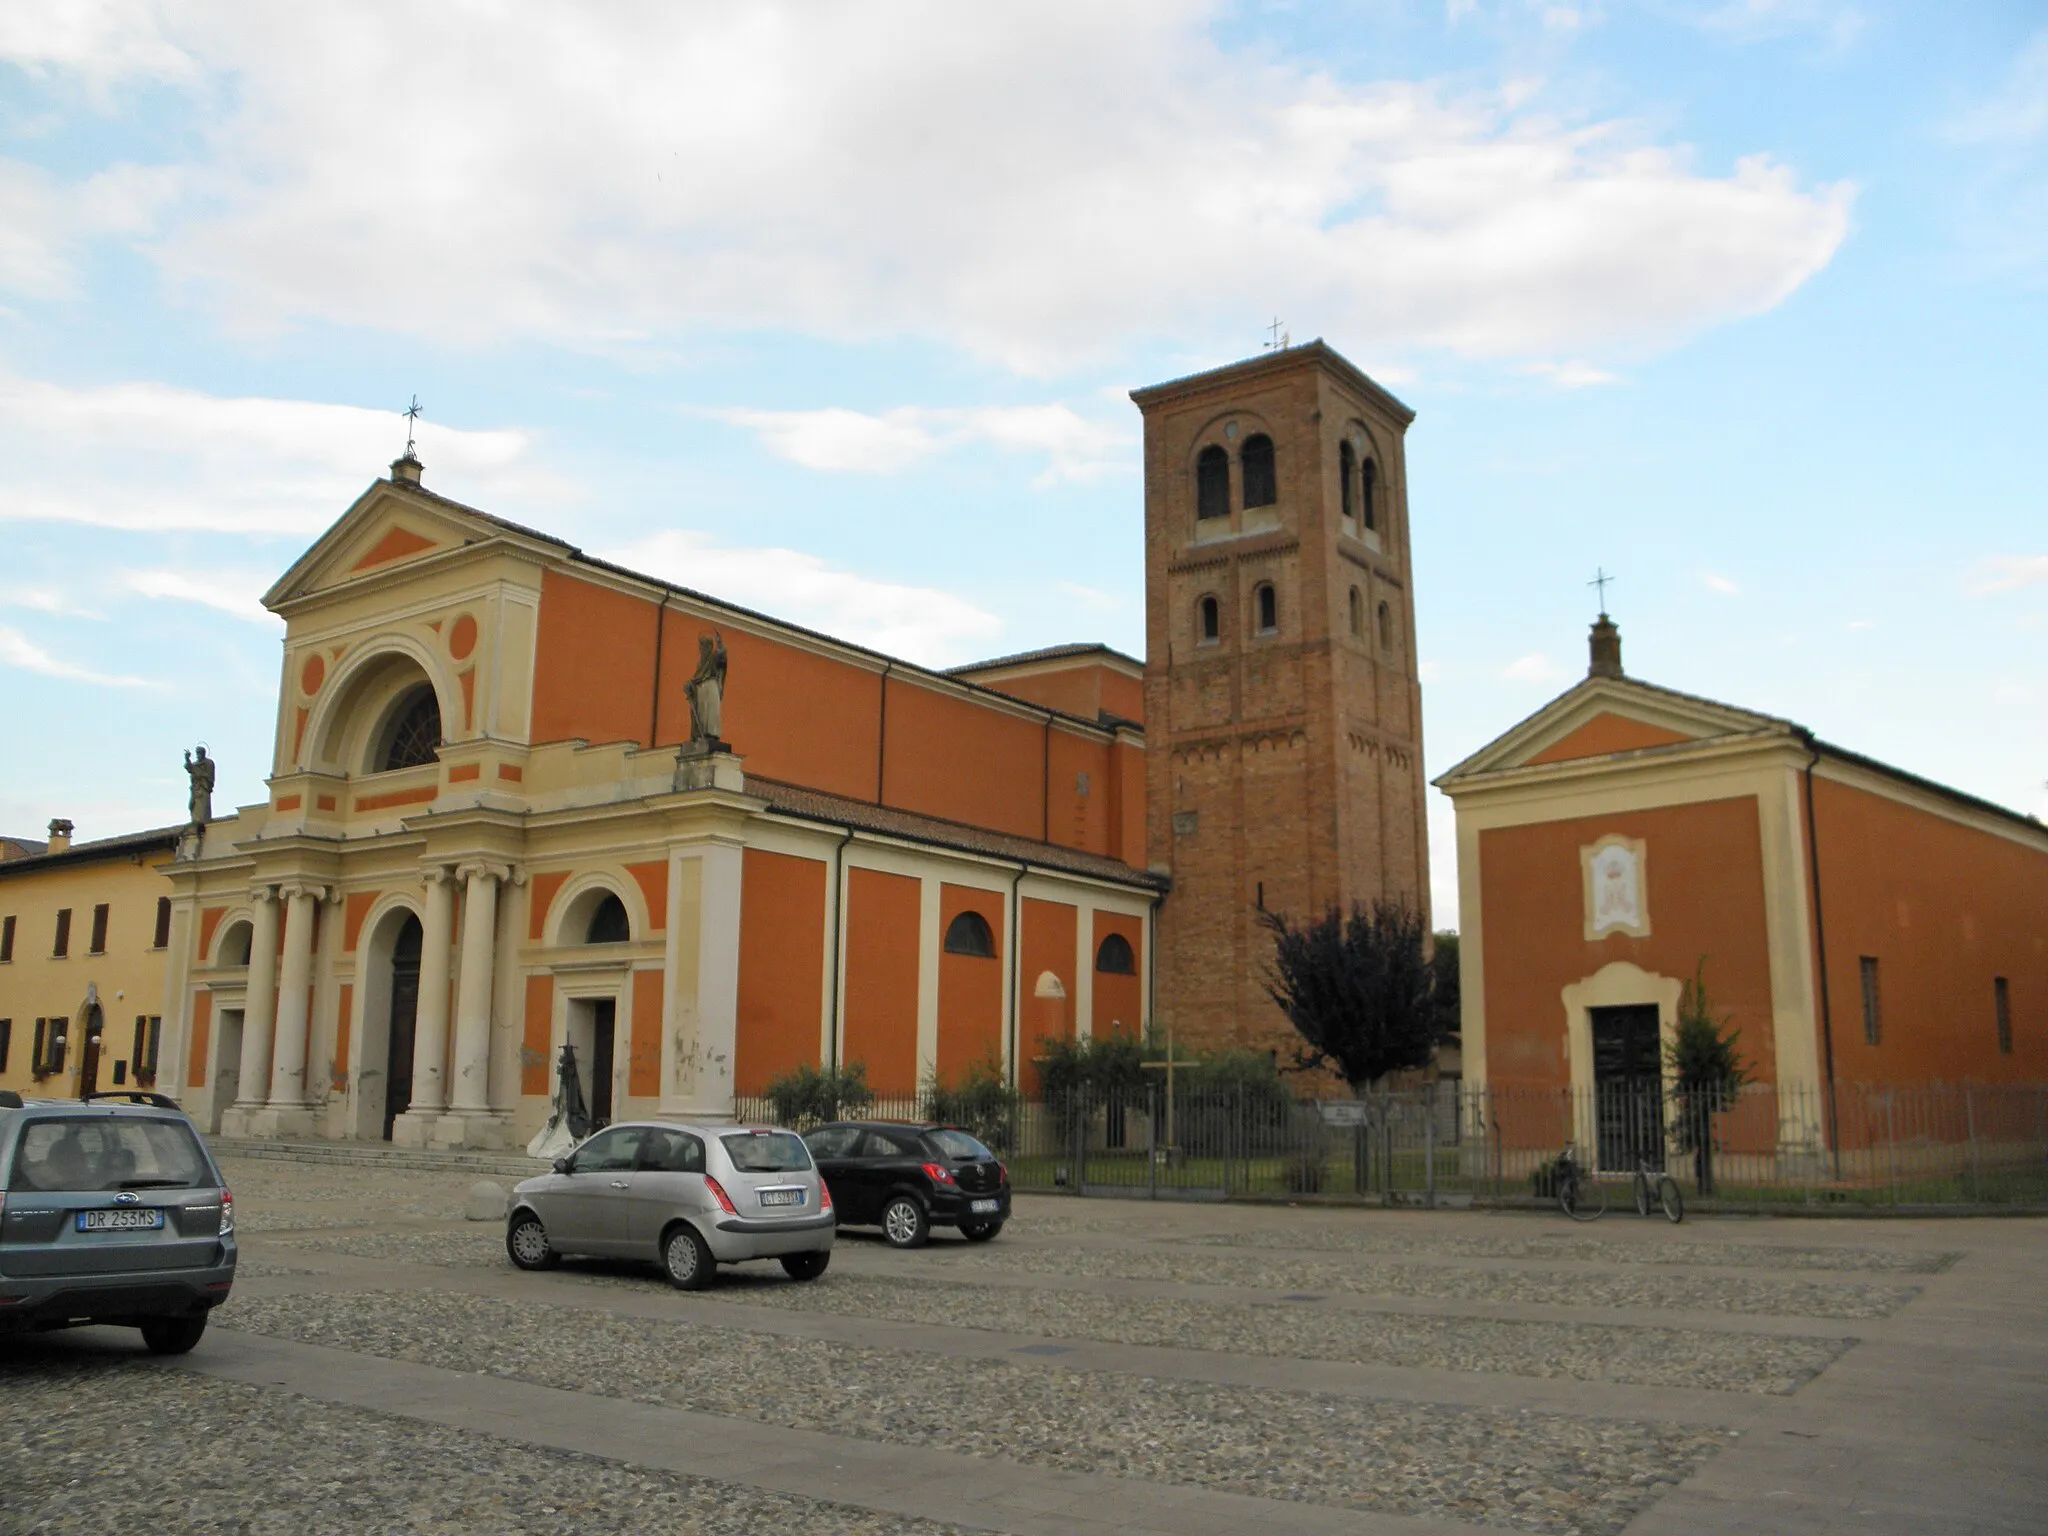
x=120 y=1221
x=984 y=1207
x=782 y=1197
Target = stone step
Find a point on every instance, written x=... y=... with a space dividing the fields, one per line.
x=360 y=1154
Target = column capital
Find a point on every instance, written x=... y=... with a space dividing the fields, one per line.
x=437 y=874
x=263 y=895
x=471 y=869
x=290 y=888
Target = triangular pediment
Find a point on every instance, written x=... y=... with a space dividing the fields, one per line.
x=1603 y=717
x=390 y=528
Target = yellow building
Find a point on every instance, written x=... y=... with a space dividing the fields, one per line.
x=83 y=926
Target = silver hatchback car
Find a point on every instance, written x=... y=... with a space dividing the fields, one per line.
x=689 y=1197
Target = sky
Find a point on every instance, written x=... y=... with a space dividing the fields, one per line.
x=834 y=311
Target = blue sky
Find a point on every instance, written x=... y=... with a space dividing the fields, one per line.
x=833 y=310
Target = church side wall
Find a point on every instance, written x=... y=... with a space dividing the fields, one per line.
x=782 y=966
x=971 y=987
x=593 y=672
x=1943 y=908
x=882 y=921
x=1704 y=890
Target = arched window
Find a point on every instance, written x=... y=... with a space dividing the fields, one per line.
x=608 y=923
x=412 y=736
x=1268 y=607
x=1209 y=619
x=1357 y=614
x=1115 y=956
x=1212 y=482
x=1386 y=628
x=1261 y=485
x=1371 y=480
x=234 y=946
x=1347 y=471
x=969 y=934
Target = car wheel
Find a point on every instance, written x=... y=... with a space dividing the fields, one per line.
x=979 y=1231
x=526 y=1240
x=172 y=1335
x=905 y=1224
x=805 y=1266
x=687 y=1259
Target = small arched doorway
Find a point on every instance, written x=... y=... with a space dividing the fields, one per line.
x=405 y=1003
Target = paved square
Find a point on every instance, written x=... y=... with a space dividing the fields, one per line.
x=1102 y=1366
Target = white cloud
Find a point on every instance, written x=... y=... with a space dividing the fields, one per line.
x=150 y=457
x=1535 y=668
x=17 y=650
x=238 y=593
x=845 y=441
x=1720 y=584
x=1571 y=375
x=51 y=600
x=2018 y=112
x=921 y=624
x=1751 y=21
x=2007 y=573
x=1043 y=185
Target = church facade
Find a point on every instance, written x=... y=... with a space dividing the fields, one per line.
x=521 y=799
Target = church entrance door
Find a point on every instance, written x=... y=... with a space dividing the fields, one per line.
x=604 y=1014
x=1628 y=1086
x=405 y=1003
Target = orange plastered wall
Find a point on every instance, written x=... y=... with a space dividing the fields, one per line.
x=535 y=1068
x=791 y=713
x=1127 y=765
x=782 y=966
x=1943 y=908
x=1119 y=1001
x=882 y=912
x=964 y=761
x=202 y=1029
x=1705 y=893
x=1080 y=820
x=593 y=667
x=1047 y=944
x=540 y=899
x=1072 y=690
x=652 y=878
x=970 y=988
x=643 y=1075
x=1607 y=733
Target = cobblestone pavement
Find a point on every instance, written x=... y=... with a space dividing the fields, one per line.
x=1100 y=1367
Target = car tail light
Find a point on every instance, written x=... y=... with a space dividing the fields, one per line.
x=939 y=1173
x=718 y=1193
x=824 y=1196
x=227 y=1213
x=1002 y=1174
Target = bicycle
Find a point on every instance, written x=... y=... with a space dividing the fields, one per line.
x=1656 y=1182
x=1579 y=1194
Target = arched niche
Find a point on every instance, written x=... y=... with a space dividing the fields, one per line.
x=576 y=904
x=368 y=699
x=231 y=942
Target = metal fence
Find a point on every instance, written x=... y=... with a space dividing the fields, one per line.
x=1452 y=1145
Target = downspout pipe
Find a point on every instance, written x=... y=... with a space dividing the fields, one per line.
x=882 y=737
x=1820 y=939
x=654 y=703
x=832 y=980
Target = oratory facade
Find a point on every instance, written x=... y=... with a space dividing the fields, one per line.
x=522 y=799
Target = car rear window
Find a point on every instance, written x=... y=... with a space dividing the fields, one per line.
x=767 y=1151
x=84 y=1155
x=959 y=1144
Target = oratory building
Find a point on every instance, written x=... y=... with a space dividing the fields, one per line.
x=521 y=798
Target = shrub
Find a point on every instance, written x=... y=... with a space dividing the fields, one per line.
x=1303 y=1172
x=980 y=1102
x=813 y=1095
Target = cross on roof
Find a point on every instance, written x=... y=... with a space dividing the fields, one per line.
x=412 y=415
x=1600 y=580
x=1275 y=344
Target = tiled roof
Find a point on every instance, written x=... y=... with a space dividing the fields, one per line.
x=1047 y=653
x=126 y=844
x=816 y=805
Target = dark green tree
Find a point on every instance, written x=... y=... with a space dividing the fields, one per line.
x=1357 y=988
x=1707 y=1073
x=1444 y=990
x=815 y=1095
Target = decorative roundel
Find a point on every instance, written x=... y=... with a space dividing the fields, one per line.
x=313 y=674
x=1358 y=441
x=462 y=638
x=1230 y=430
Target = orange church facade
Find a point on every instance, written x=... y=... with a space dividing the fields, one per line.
x=1862 y=927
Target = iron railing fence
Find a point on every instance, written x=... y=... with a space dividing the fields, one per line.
x=1452 y=1144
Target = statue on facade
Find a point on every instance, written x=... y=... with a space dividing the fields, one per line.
x=707 y=689
x=200 y=770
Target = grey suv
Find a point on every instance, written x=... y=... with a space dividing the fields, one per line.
x=111 y=1211
x=689 y=1197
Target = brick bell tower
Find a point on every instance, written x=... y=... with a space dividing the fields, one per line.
x=1283 y=711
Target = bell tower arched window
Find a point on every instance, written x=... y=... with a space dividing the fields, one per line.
x=1386 y=628
x=1212 y=483
x=1209 y=621
x=1357 y=614
x=1347 y=471
x=1261 y=482
x=1369 y=484
x=412 y=736
x=1267 y=605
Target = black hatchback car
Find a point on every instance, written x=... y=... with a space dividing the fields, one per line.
x=908 y=1178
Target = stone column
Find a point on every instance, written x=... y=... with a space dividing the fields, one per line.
x=474 y=983
x=294 y=1018
x=430 y=1033
x=259 y=1008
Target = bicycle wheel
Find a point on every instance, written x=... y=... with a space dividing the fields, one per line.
x=1642 y=1187
x=1673 y=1202
x=1583 y=1200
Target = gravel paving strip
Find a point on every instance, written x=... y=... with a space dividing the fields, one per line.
x=1661 y=1357
x=1667 y=1292
x=161 y=1451
x=1658 y=1251
x=1530 y=1471
x=479 y=1245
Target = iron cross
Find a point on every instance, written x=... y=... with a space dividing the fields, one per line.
x=1274 y=344
x=1600 y=580
x=412 y=416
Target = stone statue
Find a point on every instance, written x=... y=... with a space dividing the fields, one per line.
x=707 y=688
x=200 y=770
